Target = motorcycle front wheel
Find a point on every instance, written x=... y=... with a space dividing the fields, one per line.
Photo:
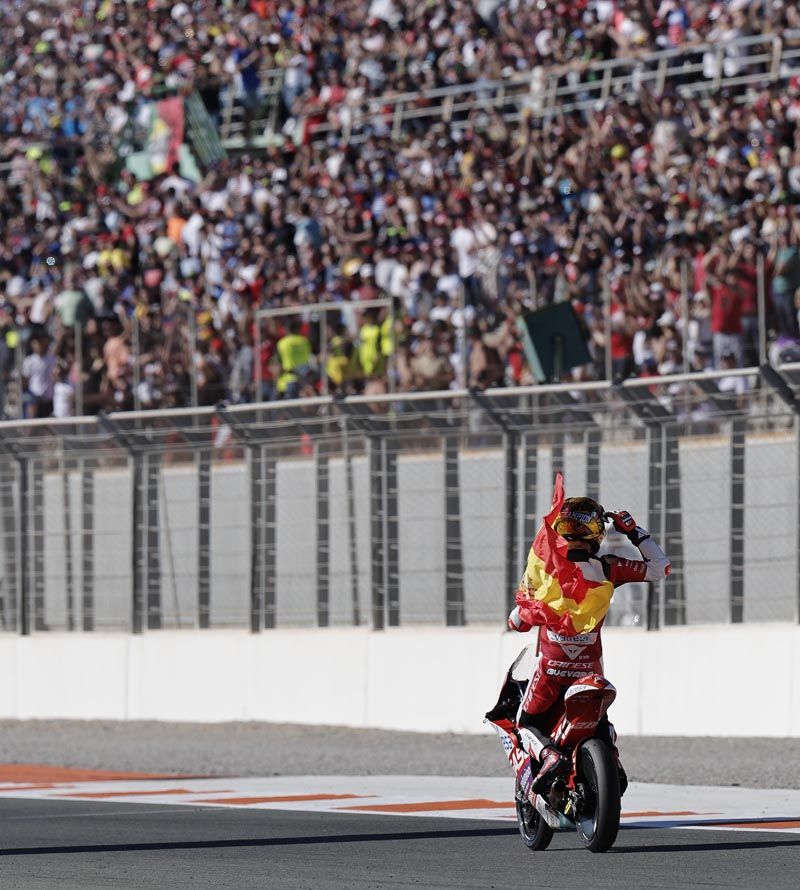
x=536 y=833
x=598 y=817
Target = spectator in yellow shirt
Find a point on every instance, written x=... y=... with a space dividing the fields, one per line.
x=294 y=352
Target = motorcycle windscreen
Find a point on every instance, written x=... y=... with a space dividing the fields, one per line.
x=522 y=669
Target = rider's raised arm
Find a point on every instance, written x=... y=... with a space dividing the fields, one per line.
x=654 y=564
x=517 y=621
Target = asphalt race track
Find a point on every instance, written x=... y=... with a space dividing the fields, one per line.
x=90 y=806
x=81 y=845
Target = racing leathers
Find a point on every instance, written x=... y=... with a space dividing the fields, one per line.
x=563 y=658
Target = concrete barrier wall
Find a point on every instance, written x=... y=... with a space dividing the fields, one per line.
x=684 y=681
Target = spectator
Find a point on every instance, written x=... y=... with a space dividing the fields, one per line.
x=429 y=368
x=726 y=317
x=294 y=351
x=63 y=393
x=785 y=283
x=37 y=371
x=485 y=366
x=342 y=367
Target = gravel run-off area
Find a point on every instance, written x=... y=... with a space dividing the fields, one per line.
x=265 y=749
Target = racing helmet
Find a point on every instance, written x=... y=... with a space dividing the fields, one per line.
x=581 y=519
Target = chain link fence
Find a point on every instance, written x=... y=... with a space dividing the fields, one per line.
x=385 y=511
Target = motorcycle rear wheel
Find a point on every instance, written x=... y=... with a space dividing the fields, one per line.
x=536 y=833
x=598 y=818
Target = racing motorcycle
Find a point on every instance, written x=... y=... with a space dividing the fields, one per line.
x=586 y=796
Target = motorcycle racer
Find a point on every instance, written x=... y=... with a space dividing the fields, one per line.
x=566 y=592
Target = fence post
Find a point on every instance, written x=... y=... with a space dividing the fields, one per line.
x=66 y=502
x=136 y=462
x=204 y=538
x=322 y=467
x=24 y=607
x=352 y=543
x=87 y=544
x=9 y=521
x=153 y=539
x=256 y=459
x=377 y=532
x=269 y=471
x=675 y=584
x=392 y=528
x=737 y=444
x=655 y=442
x=454 y=555
x=36 y=471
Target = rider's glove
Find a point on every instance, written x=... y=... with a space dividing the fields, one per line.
x=516 y=622
x=625 y=524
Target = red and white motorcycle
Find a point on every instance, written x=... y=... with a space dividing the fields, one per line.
x=587 y=795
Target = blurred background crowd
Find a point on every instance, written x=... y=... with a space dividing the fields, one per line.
x=666 y=219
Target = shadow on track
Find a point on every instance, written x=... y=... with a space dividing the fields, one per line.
x=709 y=846
x=258 y=842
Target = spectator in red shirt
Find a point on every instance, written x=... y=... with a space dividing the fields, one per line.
x=743 y=263
x=621 y=342
x=726 y=316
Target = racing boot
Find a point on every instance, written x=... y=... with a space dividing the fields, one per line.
x=551 y=762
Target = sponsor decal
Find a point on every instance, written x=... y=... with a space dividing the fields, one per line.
x=572 y=651
x=582 y=639
x=526 y=778
x=580 y=516
x=518 y=758
x=572 y=646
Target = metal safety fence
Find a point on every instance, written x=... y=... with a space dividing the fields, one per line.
x=397 y=510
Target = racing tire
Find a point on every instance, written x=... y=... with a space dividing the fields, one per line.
x=536 y=833
x=598 y=817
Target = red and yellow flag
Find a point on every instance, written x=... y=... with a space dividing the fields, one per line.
x=553 y=592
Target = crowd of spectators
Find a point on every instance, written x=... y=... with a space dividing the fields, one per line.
x=118 y=292
x=73 y=66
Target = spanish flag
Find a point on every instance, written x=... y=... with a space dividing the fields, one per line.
x=553 y=591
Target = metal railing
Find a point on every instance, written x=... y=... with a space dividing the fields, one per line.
x=701 y=69
x=233 y=129
x=388 y=510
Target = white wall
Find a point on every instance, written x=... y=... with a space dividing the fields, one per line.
x=738 y=681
